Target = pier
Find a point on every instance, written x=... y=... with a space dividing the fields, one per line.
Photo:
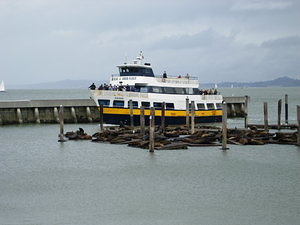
x=47 y=111
x=78 y=110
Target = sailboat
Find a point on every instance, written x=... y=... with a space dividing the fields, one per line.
x=2 y=87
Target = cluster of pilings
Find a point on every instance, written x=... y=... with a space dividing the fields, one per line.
x=163 y=137
x=280 y=125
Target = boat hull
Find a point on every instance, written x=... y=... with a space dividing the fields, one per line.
x=172 y=117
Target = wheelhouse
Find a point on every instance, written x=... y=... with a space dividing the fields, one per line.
x=130 y=70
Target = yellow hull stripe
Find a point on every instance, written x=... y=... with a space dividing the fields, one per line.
x=175 y=113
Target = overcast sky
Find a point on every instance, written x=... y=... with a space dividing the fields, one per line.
x=216 y=40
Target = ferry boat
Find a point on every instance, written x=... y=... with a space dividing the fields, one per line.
x=137 y=83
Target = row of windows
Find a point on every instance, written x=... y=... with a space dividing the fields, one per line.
x=135 y=71
x=157 y=105
x=168 y=90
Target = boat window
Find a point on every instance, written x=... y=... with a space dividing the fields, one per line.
x=118 y=103
x=148 y=72
x=104 y=102
x=157 y=90
x=146 y=105
x=144 y=89
x=136 y=71
x=180 y=90
x=196 y=91
x=157 y=105
x=189 y=91
x=169 y=90
x=169 y=105
x=219 y=105
x=201 y=106
x=210 y=106
x=134 y=104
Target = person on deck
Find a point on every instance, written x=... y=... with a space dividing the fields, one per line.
x=93 y=86
x=165 y=74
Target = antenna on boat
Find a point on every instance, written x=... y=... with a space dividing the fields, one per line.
x=139 y=59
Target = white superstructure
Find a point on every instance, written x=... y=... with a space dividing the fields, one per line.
x=136 y=82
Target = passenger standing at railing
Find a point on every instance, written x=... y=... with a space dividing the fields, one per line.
x=187 y=76
x=93 y=86
x=165 y=74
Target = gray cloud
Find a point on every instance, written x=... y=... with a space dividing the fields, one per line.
x=292 y=41
x=261 y=5
x=224 y=40
x=204 y=39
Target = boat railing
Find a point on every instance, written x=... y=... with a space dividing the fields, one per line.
x=169 y=79
x=178 y=80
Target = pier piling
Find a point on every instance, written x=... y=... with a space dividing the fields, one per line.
x=192 y=117
x=88 y=114
x=61 y=123
x=187 y=112
x=73 y=113
x=142 y=120
x=56 y=116
x=152 y=129
x=131 y=113
x=298 y=119
x=279 y=114
x=101 y=118
x=37 y=115
x=19 y=115
x=163 y=113
x=266 y=126
x=224 y=126
x=246 y=111
x=286 y=109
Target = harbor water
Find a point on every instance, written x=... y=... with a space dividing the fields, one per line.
x=45 y=182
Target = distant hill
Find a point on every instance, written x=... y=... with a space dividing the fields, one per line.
x=278 y=82
x=84 y=84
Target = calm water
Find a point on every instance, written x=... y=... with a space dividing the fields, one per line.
x=46 y=182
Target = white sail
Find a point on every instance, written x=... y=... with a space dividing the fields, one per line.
x=2 y=88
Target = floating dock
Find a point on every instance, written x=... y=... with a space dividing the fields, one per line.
x=78 y=110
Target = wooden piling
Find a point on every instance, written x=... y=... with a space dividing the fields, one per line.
x=61 y=124
x=286 y=109
x=192 y=117
x=151 y=129
x=73 y=113
x=246 y=111
x=279 y=114
x=101 y=118
x=88 y=114
x=163 y=114
x=56 y=116
x=142 y=120
x=37 y=115
x=266 y=116
x=298 y=118
x=187 y=112
x=224 y=126
x=131 y=113
x=19 y=115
